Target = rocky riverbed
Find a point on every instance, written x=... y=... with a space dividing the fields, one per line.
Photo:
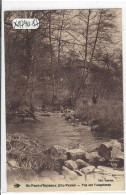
x=28 y=159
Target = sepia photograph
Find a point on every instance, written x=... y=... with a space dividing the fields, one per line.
x=64 y=100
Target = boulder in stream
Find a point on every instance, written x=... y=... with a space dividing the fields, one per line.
x=81 y=163
x=111 y=151
x=58 y=152
x=92 y=157
x=88 y=169
x=108 y=145
x=75 y=154
x=71 y=164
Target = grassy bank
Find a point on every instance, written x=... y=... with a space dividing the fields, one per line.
x=109 y=114
x=27 y=157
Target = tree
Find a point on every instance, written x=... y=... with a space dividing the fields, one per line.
x=98 y=28
x=21 y=57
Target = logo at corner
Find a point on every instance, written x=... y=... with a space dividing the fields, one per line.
x=17 y=185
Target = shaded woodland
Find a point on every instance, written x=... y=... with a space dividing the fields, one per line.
x=73 y=55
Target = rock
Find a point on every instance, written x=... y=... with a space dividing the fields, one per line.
x=117 y=162
x=87 y=169
x=95 y=159
x=117 y=153
x=102 y=161
x=69 y=174
x=112 y=152
x=92 y=157
x=122 y=144
x=96 y=170
x=80 y=163
x=58 y=152
x=105 y=148
x=12 y=163
x=78 y=172
x=75 y=154
x=71 y=164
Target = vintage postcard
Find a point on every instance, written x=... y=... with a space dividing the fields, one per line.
x=64 y=100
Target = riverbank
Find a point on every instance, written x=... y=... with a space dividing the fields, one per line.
x=106 y=116
x=28 y=159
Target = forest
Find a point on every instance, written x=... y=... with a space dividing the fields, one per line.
x=73 y=55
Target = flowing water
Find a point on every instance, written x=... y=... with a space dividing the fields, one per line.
x=54 y=130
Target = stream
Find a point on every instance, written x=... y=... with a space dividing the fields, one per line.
x=55 y=130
